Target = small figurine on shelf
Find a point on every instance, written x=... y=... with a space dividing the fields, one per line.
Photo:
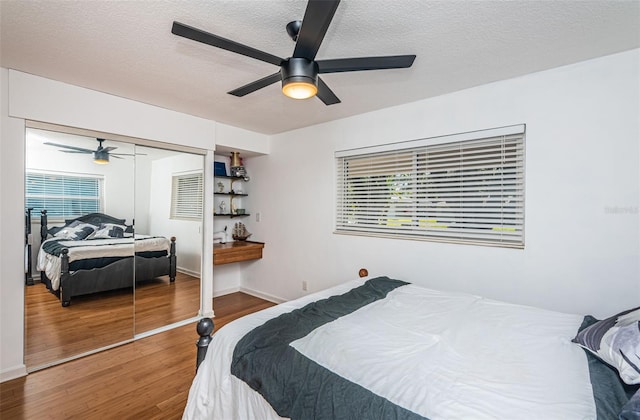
x=240 y=232
x=223 y=207
x=220 y=187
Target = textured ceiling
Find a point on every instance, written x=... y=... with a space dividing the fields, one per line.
x=126 y=48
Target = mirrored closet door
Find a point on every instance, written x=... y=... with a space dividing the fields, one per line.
x=113 y=242
x=80 y=296
x=169 y=202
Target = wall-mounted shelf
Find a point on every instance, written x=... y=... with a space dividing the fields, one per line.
x=237 y=251
x=232 y=215
x=238 y=178
x=226 y=185
x=232 y=193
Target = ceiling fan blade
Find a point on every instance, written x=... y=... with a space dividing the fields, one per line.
x=194 y=34
x=75 y=151
x=325 y=94
x=315 y=23
x=365 y=63
x=108 y=149
x=80 y=149
x=127 y=154
x=258 y=84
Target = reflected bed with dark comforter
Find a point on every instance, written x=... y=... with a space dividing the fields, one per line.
x=95 y=253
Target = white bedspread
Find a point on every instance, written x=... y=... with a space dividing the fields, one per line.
x=97 y=248
x=441 y=355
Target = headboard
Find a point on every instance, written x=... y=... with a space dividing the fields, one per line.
x=93 y=218
x=96 y=219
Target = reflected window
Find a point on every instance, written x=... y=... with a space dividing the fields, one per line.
x=64 y=196
x=187 y=196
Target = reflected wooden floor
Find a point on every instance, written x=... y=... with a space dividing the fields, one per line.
x=158 y=305
x=146 y=379
x=102 y=319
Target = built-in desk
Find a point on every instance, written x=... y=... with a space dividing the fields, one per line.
x=236 y=251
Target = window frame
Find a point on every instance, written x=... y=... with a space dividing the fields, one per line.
x=464 y=188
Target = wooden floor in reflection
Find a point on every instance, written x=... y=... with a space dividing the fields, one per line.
x=146 y=379
x=92 y=321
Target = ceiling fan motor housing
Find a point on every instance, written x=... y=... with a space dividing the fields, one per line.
x=101 y=156
x=299 y=71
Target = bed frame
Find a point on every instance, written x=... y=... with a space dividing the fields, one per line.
x=28 y=279
x=206 y=326
x=117 y=275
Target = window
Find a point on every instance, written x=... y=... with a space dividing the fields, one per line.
x=63 y=196
x=466 y=188
x=187 y=196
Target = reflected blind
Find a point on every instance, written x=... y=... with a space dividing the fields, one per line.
x=469 y=191
x=187 y=196
x=63 y=196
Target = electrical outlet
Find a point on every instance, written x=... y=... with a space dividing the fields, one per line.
x=258 y=217
x=304 y=285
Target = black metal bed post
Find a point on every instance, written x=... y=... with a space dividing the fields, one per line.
x=204 y=328
x=43 y=226
x=172 y=260
x=64 y=278
x=28 y=240
x=43 y=236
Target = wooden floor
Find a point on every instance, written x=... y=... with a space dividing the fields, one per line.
x=101 y=319
x=146 y=379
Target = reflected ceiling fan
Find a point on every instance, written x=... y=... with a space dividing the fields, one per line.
x=100 y=155
x=299 y=73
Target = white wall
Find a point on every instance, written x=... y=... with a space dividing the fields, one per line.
x=11 y=226
x=38 y=99
x=142 y=198
x=238 y=139
x=188 y=233
x=582 y=195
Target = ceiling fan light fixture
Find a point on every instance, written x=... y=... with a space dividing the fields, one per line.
x=299 y=89
x=100 y=157
x=299 y=78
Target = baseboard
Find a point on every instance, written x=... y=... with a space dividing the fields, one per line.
x=189 y=272
x=222 y=292
x=13 y=373
x=261 y=295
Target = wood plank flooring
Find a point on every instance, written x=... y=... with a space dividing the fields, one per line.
x=146 y=379
x=102 y=319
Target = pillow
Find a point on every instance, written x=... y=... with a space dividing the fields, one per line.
x=52 y=231
x=631 y=410
x=75 y=231
x=110 y=230
x=616 y=341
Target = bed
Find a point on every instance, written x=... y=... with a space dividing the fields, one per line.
x=95 y=253
x=379 y=348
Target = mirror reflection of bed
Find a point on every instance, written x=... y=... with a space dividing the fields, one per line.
x=109 y=204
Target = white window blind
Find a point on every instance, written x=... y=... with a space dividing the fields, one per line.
x=63 y=196
x=187 y=196
x=469 y=191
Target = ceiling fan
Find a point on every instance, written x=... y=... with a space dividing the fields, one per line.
x=299 y=73
x=100 y=155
